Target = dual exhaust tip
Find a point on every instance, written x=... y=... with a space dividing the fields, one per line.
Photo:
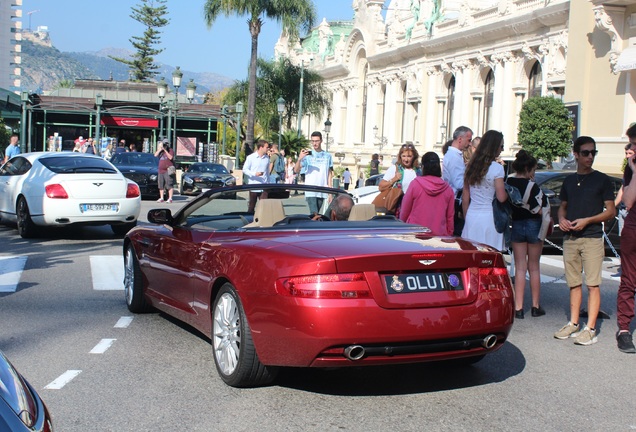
x=357 y=352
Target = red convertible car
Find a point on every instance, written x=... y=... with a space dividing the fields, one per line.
x=278 y=288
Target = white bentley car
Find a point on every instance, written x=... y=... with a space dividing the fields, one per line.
x=58 y=189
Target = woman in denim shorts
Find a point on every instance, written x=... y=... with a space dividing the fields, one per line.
x=526 y=222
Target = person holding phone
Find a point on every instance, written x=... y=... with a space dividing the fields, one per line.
x=317 y=165
x=164 y=177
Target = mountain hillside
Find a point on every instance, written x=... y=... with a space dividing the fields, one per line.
x=44 y=67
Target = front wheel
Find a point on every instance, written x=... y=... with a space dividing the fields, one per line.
x=235 y=357
x=26 y=227
x=133 y=284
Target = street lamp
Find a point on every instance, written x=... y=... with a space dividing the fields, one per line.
x=280 y=105
x=381 y=139
x=191 y=88
x=162 y=90
x=98 y=102
x=442 y=129
x=24 y=96
x=177 y=75
x=224 y=115
x=239 y=111
x=300 y=97
x=327 y=130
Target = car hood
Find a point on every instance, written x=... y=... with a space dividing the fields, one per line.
x=210 y=176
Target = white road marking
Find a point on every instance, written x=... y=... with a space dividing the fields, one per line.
x=124 y=322
x=102 y=346
x=10 y=272
x=63 y=379
x=107 y=272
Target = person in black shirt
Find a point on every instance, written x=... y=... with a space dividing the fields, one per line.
x=587 y=200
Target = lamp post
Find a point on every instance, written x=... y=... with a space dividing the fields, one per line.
x=98 y=103
x=327 y=130
x=191 y=88
x=442 y=129
x=177 y=75
x=239 y=111
x=24 y=97
x=300 y=97
x=162 y=89
x=224 y=115
x=381 y=139
x=280 y=105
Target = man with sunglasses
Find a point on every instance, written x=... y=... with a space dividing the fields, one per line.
x=587 y=200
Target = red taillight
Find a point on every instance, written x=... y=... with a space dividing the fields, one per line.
x=56 y=191
x=132 y=191
x=493 y=278
x=331 y=286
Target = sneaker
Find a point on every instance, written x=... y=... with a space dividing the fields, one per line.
x=568 y=330
x=170 y=200
x=537 y=311
x=160 y=200
x=587 y=336
x=625 y=343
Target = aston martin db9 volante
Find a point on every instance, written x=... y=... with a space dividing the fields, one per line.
x=279 y=288
x=61 y=189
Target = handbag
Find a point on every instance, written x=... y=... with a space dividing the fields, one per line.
x=171 y=170
x=390 y=198
x=547 y=222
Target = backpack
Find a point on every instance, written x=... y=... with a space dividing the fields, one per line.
x=279 y=165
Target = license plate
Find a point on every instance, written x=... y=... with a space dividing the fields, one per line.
x=111 y=207
x=423 y=282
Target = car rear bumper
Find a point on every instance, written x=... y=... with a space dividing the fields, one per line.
x=57 y=212
x=316 y=334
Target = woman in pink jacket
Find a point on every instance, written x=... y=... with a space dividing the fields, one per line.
x=429 y=200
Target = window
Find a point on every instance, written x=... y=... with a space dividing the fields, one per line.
x=450 y=106
x=535 y=81
x=489 y=97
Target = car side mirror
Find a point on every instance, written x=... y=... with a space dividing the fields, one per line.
x=549 y=193
x=160 y=216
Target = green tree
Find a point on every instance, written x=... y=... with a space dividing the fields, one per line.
x=293 y=14
x=4 y=137
x=277 y=79
x=545 y=128
x=64 y=84
x=151 y=14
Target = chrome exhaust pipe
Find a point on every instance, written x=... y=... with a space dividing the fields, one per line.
x=489 y=341
x=354 y=352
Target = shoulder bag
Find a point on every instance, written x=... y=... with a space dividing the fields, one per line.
x=390 y=198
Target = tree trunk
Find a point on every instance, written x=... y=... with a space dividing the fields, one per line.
x=255 y=29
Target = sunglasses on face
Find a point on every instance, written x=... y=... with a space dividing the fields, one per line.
x=408 y=146
x=586 y=153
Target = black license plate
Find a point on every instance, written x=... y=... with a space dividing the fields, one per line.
x=423 y=282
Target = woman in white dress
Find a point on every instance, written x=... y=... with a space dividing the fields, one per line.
x=483 y=180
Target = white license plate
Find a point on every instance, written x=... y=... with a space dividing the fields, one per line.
x=111 y=207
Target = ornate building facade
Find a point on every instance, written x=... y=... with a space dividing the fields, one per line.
x=411 y=71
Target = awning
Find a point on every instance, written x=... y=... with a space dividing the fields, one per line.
x=626 y=60
x=129 y=122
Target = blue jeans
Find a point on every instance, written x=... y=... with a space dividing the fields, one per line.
x=526 y=231
x=315 y=204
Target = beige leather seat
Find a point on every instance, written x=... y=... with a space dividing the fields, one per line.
x=267 y=213
x=362 y=212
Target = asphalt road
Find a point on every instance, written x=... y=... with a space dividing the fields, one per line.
x=150 y=373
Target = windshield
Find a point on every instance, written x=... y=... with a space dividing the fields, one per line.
x=135 y=158
x=208 y=168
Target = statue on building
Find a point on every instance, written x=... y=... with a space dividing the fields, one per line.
x=415 y=11
x=435 y=15
x=325 y=40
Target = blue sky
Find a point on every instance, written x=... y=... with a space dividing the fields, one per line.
x=90 y=25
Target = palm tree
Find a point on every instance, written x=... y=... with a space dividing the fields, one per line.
x=292 y=13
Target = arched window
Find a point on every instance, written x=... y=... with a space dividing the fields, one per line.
x=489 y=97
x=450 y=106
x=535 y=80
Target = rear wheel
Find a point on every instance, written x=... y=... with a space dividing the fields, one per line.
x=234 y=354
x=26 y=227
x=133 y=284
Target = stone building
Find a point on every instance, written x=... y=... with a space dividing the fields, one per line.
x=413 y=70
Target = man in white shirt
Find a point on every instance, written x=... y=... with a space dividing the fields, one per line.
x=453 y=164
x=453 y=170
x=317 y=165
x=256 y=168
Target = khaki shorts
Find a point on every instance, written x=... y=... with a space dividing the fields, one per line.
x=583 y=255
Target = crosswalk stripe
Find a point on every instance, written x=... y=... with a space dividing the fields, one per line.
x=107 y=272
x=10 y=272
x=63 y=379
